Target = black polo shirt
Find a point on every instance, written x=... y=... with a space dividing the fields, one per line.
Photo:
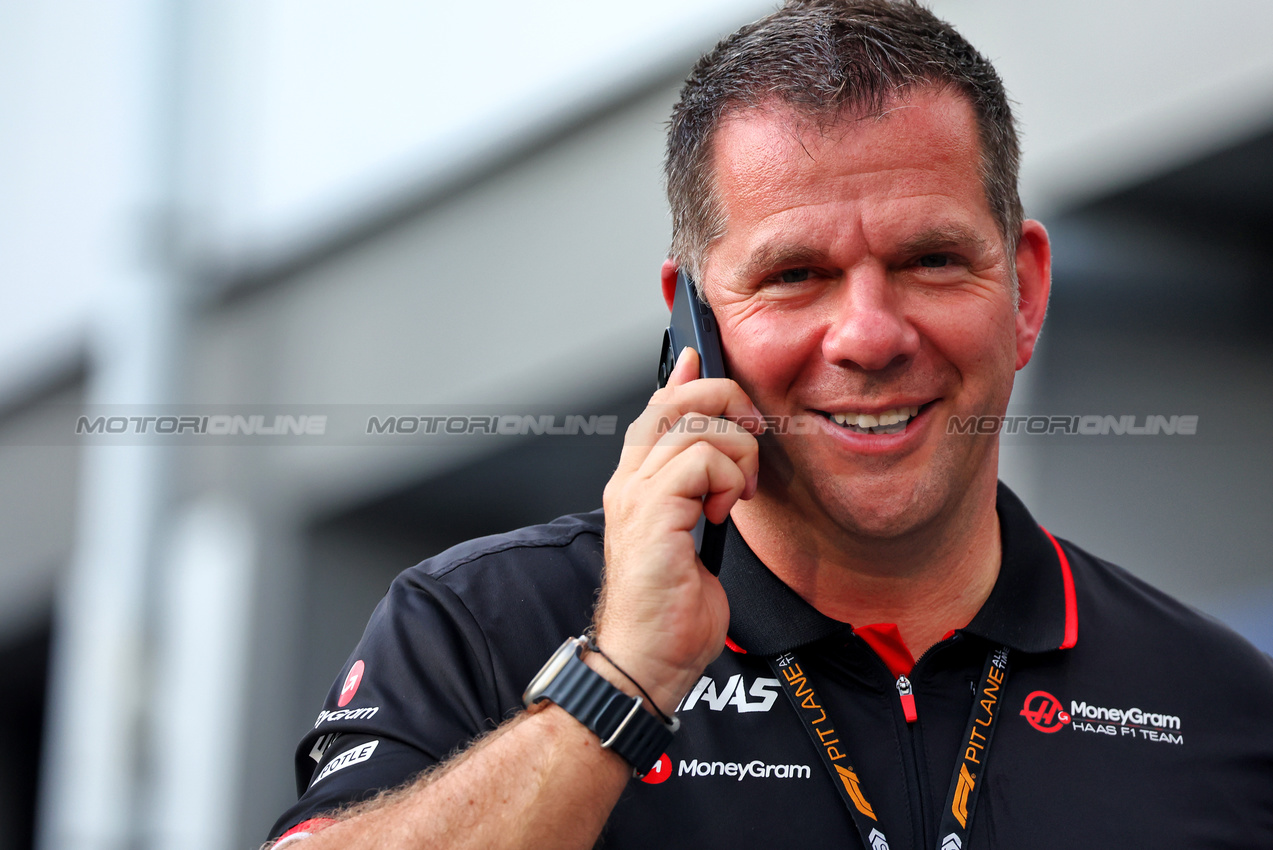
x=1127 y=719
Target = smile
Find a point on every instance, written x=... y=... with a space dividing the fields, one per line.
x=885 y=422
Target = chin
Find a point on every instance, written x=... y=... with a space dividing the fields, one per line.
x=897 y=515
x=892 y=504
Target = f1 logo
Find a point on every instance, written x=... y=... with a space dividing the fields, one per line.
x=1043 y=711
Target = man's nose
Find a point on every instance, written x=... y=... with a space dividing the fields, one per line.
x=869 y=327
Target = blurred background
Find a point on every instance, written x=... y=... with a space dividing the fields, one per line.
x=388 y=208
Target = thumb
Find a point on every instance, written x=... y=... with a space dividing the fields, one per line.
x=686 y=368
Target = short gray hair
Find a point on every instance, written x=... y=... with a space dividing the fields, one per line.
x=822 y=57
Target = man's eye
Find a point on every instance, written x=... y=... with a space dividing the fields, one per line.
x=934 y=261
x=794 y=276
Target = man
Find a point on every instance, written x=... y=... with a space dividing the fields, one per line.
x=911 y=661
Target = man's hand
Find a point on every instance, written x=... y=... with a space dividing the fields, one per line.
x=663 y=616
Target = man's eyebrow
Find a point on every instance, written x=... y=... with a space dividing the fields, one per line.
x=769 y=257
x=938 y=238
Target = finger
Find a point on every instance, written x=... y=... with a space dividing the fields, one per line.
x=711 y=396
x=727 y=437
x=717 y=397
x=686 y=368
x=703 y=474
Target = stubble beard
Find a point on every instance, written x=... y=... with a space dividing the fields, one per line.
x=880 y=506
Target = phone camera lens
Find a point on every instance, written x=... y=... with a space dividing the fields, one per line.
x=667 y=362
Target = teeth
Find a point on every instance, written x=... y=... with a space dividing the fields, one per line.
x=896 y=416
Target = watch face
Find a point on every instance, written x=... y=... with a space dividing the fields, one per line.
x=550 y=670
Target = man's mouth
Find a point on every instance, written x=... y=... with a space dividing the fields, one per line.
x=892 y=421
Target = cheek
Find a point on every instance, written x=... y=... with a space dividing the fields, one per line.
x=769 y=351
x=978 y=340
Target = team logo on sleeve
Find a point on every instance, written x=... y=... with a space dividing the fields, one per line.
x=352 y=681
x=357 y=755
x=364 y=713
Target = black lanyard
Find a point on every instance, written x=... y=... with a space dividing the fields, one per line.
x=961 y=801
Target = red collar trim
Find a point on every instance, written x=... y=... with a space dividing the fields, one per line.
x=1071 y=603
x=887 y=642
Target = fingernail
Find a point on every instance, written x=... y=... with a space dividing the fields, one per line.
x=680 y=361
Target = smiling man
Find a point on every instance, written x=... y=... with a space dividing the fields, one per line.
x=894 y=654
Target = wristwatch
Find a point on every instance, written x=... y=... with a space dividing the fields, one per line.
x=616 y=718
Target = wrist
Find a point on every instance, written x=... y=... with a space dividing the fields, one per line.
x=604 y=708
x=657 y=703
x=641 y=674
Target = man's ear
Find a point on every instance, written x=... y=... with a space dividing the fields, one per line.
x=669 y=282
x=1034 y=282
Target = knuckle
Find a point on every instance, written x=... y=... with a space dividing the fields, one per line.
x=615 y=492
x=663 y=395
x=703 y=448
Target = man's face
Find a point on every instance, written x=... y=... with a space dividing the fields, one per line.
x=862 y=275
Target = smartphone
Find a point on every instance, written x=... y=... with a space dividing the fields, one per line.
x=694 y=325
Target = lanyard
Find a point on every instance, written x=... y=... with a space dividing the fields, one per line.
x=961 y=800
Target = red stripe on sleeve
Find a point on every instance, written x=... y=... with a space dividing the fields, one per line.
x=304 y=829
x=1071 y=603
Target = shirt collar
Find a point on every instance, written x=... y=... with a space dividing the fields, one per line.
x=1030 y=609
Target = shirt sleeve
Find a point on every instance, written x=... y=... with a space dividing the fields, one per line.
x=444 y=659
x=418 y=687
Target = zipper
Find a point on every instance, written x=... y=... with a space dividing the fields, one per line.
x=916 y=781
x=915 y=784
x=907 y=695
x=904 y=690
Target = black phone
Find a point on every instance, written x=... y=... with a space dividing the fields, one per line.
x=694 y=325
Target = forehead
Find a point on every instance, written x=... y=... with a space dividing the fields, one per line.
x=919 y=156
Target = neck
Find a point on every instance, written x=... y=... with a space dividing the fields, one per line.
x=928 y=581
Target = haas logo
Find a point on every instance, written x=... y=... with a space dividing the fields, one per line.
x=1043 y=711
x=352 y=681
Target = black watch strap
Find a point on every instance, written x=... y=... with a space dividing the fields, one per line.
x=616 y=718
